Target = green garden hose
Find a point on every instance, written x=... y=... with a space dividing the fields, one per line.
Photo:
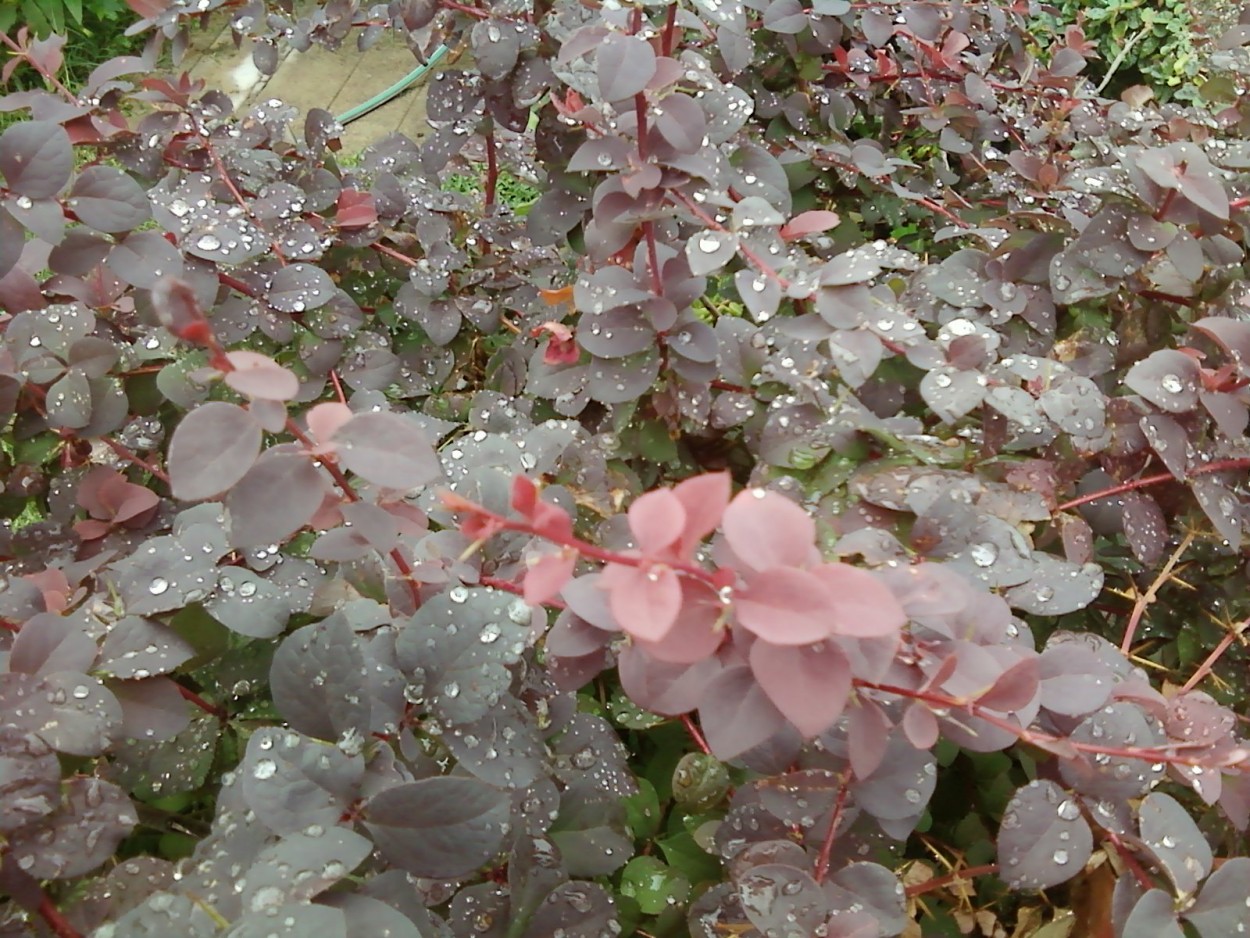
x=395 y=90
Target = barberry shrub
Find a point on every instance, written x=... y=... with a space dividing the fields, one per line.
x=819 y=513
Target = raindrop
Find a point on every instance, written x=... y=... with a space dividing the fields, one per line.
x=1068 y=810
x=1172 y=384
x=208 y=242
x=265 y=768
x=1060 y=857
x=158 y=586
x=984 y=555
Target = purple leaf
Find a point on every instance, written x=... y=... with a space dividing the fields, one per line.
x=213 y=448
x=626 y=65
x=438 y=827
x=736 y=714
x=277 y=496
x=388 y=450
x=1043 y=840
x=36 y=158
x=106 y=199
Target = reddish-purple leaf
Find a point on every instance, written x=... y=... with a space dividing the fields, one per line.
x=298 y=288
x=106 y=199
x=36 y=158
x=657 y=519
x=863 y=607
x=1044 y=840
x=625 y=65
x=387 y=450
x=736 y=714
x=810 y=685
x=1016 y=688
x=152 y=709
x=867 y=737
x=767 y=530
x=645 y=601
x=213 y=448
x=662 y=687
x=259 y=376
x=787 y=607
x=277 y=497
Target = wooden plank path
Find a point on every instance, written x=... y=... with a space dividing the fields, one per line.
x=335 y=81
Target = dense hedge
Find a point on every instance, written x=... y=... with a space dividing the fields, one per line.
x=818 y=513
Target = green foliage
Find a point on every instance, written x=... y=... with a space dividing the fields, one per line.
x=94 y=30
x=1147 y=42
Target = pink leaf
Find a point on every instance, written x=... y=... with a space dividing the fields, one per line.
x=697 y=632
x=705 y=499
x=657 y=519
x=867 y=736
x=766 y=530
x=808 y=223
x=587 y=597
x=545 y=578
x=257 y=375
x=524 y=496
x=809 y=685
x=786 y=607
x=644 y=602
x=863 y=606
x=552 y=522
x=920 y=726
x=325 y=418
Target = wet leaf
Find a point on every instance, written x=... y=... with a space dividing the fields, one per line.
x=1043 y=839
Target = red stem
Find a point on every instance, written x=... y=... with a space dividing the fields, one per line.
x=1165 y=753
x=50 y=914
x=48 y=76
x=697 y=736
x=1222 y=465
x=653 y=262
x=129 y=456
x=492 y=168
x=1205 y=668
x=670 y=23
x=391 y=252
x=826 y=848
x=188 y=694
x=1142 y=877
x=938 y=882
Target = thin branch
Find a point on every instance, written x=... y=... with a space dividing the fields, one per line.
x=1204 y=669
x=1152 y=592
x=193 y=697
x=964 y=875
x=826 y=848
x=130 y=456
x=50 y=914
x=697 y=736
x=1222 y=465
